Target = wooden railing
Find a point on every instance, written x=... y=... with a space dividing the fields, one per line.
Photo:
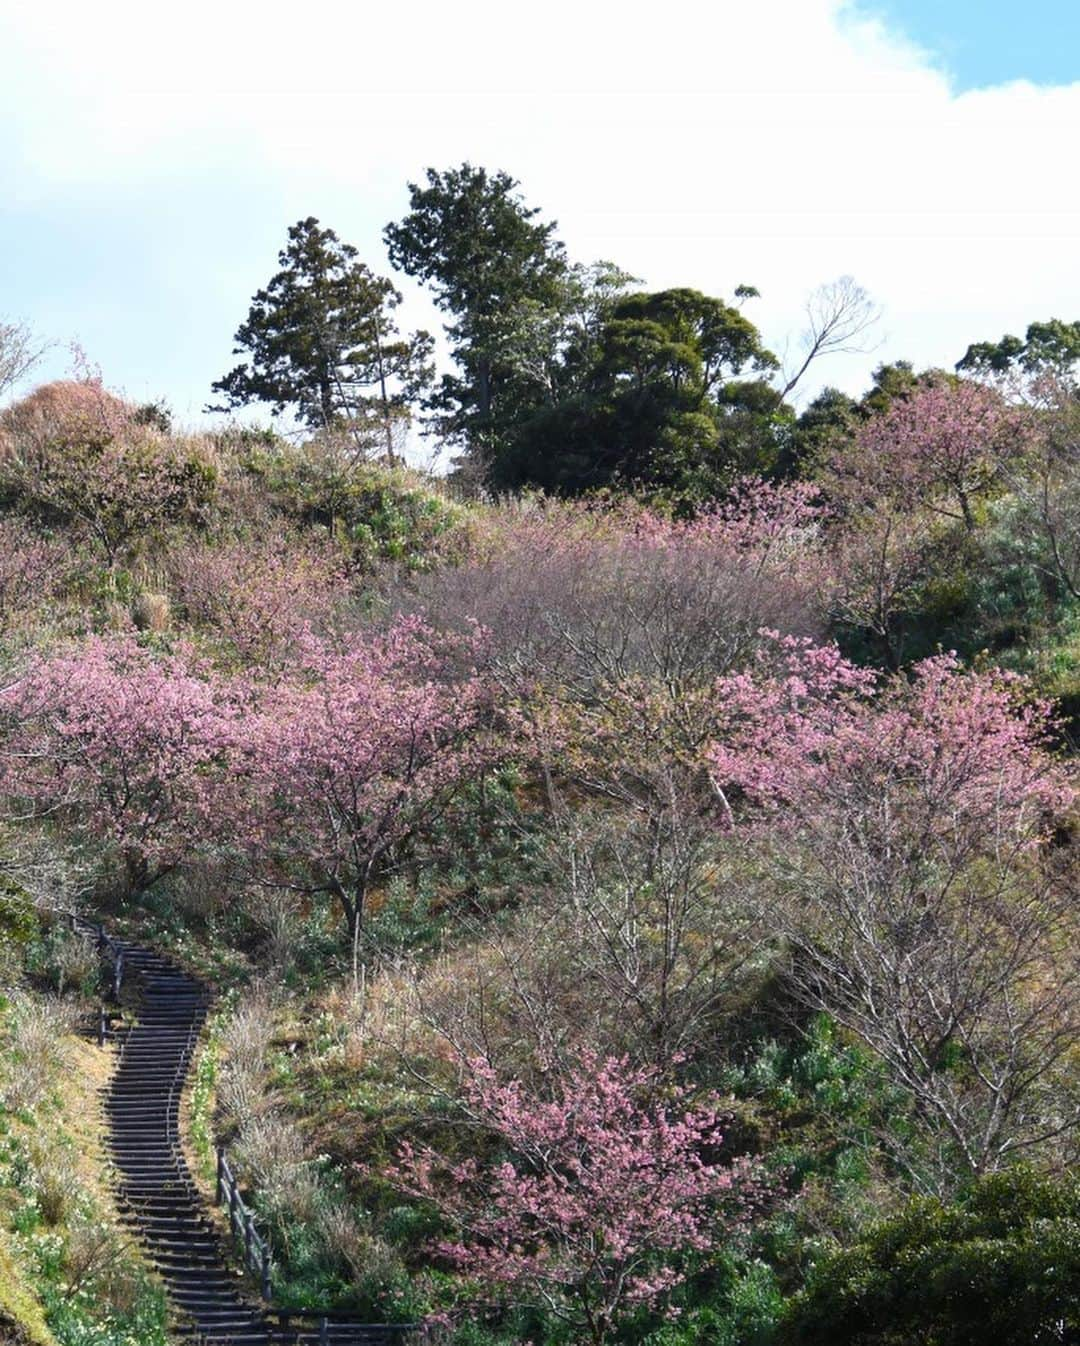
x=334 y=1328
x=110 y=953
x=256 y=1250
x=338 y=1329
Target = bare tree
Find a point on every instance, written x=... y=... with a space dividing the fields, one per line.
x=637 y=945
x=957 y=965
x=839 y=317
x=1046 y=482
x=19 y=352
x=880 y=561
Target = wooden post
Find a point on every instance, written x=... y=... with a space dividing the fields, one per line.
x=324 y=1332
x=220 y=1175
x=101 y=1026
x=266 y=1272
x=234 y=1202
x=118 y=976
x=249 y=1235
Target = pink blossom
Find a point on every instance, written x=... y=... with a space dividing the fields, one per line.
x=943 y=445
x=606 y=1181
x=806 y=731
x=364 y=743
x=124 y=744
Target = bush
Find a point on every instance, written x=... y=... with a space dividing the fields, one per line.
x=1001 y=1264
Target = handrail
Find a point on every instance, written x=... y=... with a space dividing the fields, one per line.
x=256 y=1250
x=259 y=1261
x=107 y=947
x=255 y=1247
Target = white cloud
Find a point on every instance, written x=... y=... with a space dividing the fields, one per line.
x=779 y=143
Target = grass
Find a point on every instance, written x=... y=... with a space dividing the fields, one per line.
x=22 y=1318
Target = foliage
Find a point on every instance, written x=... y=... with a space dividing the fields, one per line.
x=320 y=335
x=469 y=234
x=257 y=596
x=73 y=452
x=656 y=408
x=380 y=515
x=600 y=1188
x=1047 y=347
x=998 y=1264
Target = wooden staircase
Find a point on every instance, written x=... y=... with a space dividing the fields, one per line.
x=156 y=1195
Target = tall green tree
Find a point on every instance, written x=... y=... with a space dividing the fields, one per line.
x=1047 y=347
x=492 y=265
x=322 y=338
x=656 y=401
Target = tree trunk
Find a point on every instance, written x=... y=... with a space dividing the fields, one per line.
x=483 y=387
x=353 y=906
x=326 y=400
x=384 y=403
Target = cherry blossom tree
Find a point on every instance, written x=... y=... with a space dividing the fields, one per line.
x=804 y=722
x=259 y=595
x=880 y=561
x=608 y=625
x=942 y=444
x=31 y=569
x=123 y=745
x=907 y=823
x=367 y=744
x=600 y=1188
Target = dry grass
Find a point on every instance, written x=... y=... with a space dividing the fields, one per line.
x=151 y=612
x=36 y=1030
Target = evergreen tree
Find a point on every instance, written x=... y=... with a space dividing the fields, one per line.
x=654 y=402
x=321 y=338
x=493 y=265
x=1047 y=347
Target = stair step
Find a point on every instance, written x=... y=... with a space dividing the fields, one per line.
x=157 y=1198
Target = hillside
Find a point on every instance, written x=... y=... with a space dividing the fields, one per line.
x=634 y=916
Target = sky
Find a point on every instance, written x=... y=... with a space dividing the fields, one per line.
x=978 y=43
x=152 y=158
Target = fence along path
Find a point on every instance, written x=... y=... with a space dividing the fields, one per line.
x=157 y=1197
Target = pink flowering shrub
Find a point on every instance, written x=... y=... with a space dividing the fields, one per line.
x=907 y=826
x=585 y=595
x=942 y=445
x=805 y=729
x=602 y=1186
x=259 y=596
x=123 y=745
x=32 y=569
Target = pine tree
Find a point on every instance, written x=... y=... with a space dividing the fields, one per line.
x=321 y=338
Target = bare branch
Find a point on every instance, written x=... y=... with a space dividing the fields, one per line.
x=19 y=352
x=839 y=315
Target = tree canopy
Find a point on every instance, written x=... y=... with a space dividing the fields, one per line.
x=321 y=338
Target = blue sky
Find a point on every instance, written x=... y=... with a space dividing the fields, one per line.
x=153 y=157
x=987 y=42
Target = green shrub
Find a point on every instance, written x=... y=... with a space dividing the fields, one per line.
x=1001 y=1265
